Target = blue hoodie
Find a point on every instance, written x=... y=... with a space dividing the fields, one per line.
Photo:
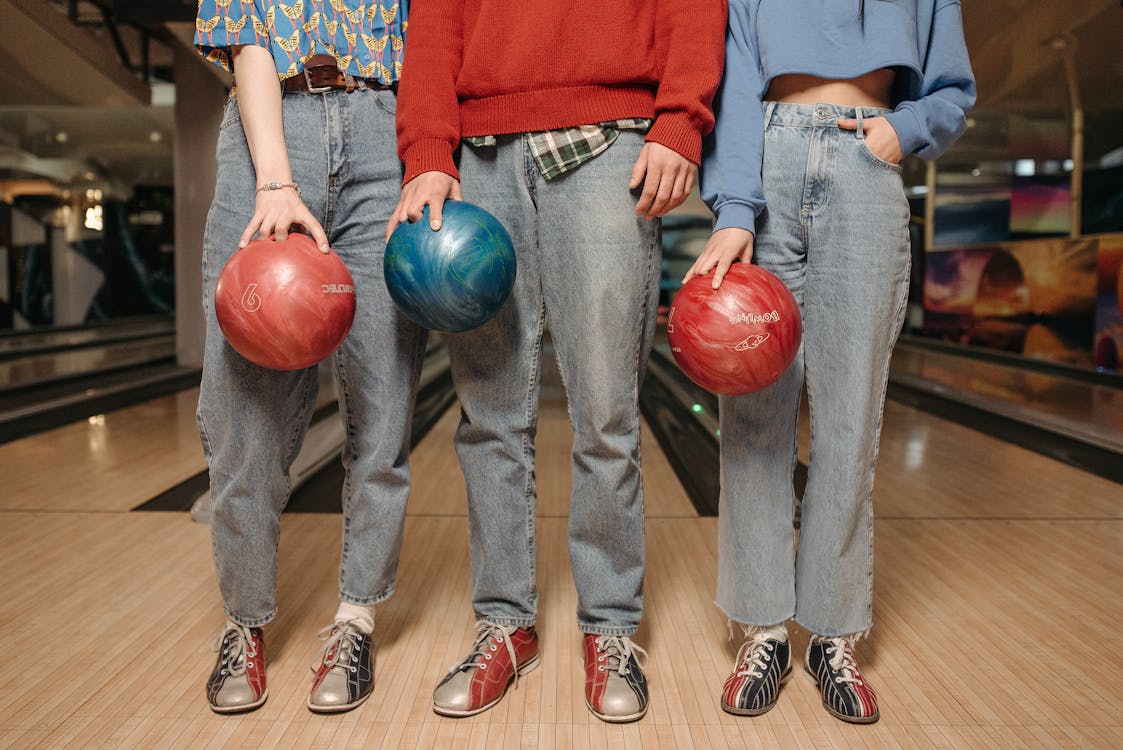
x=922 y=39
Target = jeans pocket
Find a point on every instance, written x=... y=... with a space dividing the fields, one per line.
x=230 y=114
x=877 y=160
x=386 y=99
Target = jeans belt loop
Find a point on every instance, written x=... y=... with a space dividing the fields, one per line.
x=861 y=132
x=768 y=114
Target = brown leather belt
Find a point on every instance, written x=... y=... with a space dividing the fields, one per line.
x=322 y=74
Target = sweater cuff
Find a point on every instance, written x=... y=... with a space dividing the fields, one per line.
x=431 y=155
x=678 y=132
x=740 y=215
x=908 y=129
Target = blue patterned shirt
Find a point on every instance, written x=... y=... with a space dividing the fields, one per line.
x=366 y=37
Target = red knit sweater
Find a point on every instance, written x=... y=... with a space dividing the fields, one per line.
x=488 y=67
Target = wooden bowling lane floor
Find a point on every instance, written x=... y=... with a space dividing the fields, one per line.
x=930 y=468
x=996 y=604
x=107 y=620
x=107 y=463
x=110 y=462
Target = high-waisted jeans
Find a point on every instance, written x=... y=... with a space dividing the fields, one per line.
x=342 y=149
x=836 y=232
x=589 y=268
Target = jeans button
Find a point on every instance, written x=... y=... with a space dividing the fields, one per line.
x=820 y=112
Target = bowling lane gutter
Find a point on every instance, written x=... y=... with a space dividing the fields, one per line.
x=684 y=419
x=1009 y=359
x=58 y=403
x=91 y=342
x=311 y=494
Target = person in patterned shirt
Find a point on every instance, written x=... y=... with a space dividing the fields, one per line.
x=306 y=140
x=583 y=124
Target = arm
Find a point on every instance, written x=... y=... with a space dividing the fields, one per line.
x=689 y=39
x=930 y=124
x=259 y=103
x=428 y=117
x=731 y=165
x=235 y=37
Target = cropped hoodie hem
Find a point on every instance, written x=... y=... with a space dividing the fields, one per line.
x=922 y=40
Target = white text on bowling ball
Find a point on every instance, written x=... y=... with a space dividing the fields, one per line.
x=769 y=317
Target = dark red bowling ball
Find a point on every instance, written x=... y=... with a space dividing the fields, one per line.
x=738 y=338
x=285 y=305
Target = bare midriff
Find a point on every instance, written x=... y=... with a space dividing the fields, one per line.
x=868 y=90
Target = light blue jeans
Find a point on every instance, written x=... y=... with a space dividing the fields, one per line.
x=342 y=148
x=836 y=232
x=588 y=267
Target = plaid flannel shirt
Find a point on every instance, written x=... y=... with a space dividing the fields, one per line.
x=559 y=151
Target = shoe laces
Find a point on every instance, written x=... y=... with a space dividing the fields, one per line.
x=841 y=653
x=491 y=634
x=341 y=646
x=616 y=651
x=238 y=652
x=754 y=654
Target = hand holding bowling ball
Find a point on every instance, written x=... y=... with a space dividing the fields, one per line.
x=285 y=305
x=453 y=279
x=738 y=338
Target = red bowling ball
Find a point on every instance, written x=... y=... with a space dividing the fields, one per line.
x=738 y=338
x=285 y=305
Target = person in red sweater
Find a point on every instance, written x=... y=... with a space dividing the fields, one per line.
x=582 y=124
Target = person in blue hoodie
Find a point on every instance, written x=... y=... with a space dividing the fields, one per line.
x=820 y=102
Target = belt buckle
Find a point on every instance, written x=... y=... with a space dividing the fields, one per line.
x=316 y=89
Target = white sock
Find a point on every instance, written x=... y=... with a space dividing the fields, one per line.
x=778 y=631
x=362 y=617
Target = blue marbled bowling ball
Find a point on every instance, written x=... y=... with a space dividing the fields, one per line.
x=456 y=278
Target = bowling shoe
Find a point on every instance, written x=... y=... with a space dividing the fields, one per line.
x=615 y=686
x=238 y=681
x=498 y=658
x=763 y=663
x=344 y=669
x=830 y=663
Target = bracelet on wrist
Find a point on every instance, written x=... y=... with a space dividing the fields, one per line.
x=279 y=186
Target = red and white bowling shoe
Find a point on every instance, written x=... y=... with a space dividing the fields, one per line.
x=615 y=685
x=238 y=681
x=344 y=669
x=500 y=655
